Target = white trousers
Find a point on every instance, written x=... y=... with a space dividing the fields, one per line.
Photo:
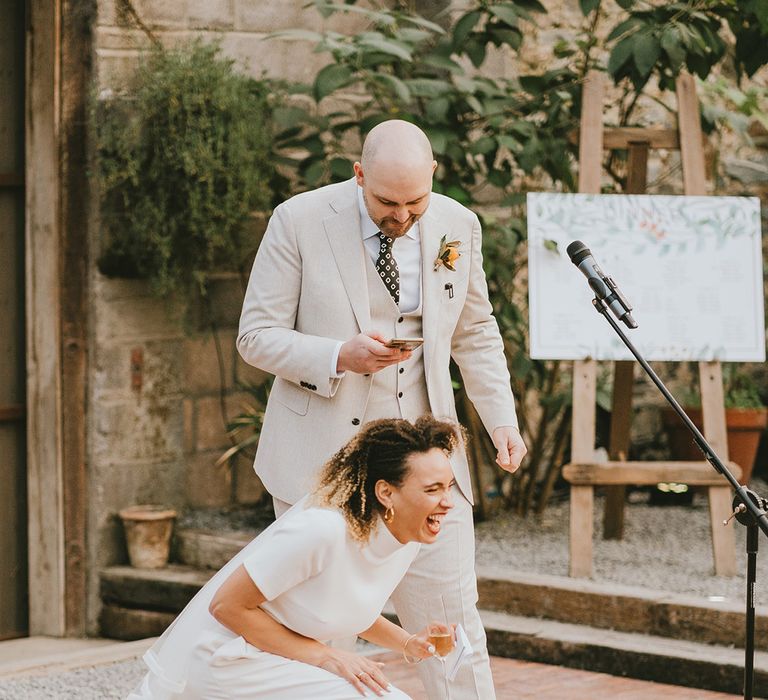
x=239 y=671
x=445 y=568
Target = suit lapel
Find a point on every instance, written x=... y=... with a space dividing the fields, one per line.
x=431 y=301
x=345 y=239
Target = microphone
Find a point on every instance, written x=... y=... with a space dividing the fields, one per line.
x=601 y=284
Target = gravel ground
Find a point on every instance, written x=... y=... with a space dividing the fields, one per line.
x=666 y=548
x=92 y=683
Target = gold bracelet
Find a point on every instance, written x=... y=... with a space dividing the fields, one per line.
x=405 y=654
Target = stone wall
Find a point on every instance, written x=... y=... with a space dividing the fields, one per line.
x=156 y=380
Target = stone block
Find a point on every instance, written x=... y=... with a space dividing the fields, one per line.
x=206 y=484
x=209 y=550
x=107 y=13
x=118 y=486
x=111 y=288
x=128 y=624
x=120 y=39
x=137 y=319
x=114 y=69
x=168 y=589
x=247 y=375
x=293 y=14
x=273 y=16
x=213 y=14
x=144 y=430
x=223 y=304
x=210 y=424
x=202 y=371
x=248 y=486
x=162 y=14
x=189 y=426
x=257 y=54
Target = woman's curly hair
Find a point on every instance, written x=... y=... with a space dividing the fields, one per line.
x=379 y=451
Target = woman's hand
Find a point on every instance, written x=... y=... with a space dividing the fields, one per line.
x=418 y=645
x=358 y=670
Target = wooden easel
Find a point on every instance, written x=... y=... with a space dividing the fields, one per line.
x=583 y=473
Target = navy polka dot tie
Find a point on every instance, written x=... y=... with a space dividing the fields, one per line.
x=387 y=267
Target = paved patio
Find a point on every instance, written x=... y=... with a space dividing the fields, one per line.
x=41 y=668
x=517 y=680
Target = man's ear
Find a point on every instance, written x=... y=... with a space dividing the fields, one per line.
x=383 y=492
x=358 y=173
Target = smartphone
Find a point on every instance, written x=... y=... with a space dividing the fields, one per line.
x=404 y=343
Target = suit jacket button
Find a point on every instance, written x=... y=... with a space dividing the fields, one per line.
x=400 y=395
x=401 y=370
x=313 y=387
x=355 y=421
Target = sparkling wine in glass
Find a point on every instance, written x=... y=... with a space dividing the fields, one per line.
x=441 y=635
x=441 y=640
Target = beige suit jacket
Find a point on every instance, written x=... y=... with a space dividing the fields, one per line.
x=308 y=290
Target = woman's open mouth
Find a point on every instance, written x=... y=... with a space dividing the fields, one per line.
x=433 y=522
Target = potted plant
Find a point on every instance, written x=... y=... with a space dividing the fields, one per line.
x=746 y=418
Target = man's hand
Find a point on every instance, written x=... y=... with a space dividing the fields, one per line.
x=365 y=354
x=510 y=447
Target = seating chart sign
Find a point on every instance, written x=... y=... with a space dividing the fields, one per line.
x=691 y=267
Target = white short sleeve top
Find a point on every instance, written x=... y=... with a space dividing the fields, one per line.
x=318 y=580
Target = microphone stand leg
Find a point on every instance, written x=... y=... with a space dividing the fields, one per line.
x=749 y=646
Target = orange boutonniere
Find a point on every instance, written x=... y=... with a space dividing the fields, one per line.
x=448 y=254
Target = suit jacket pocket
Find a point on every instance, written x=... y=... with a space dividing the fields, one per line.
x=291 y=396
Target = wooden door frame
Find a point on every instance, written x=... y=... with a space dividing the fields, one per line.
x=58 y=70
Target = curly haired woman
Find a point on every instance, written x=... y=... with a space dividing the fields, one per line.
x=323 y=571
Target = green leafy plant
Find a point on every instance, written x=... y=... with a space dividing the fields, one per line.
x=493 y=137
x=244 y=429
x=739 y=389
x=183 y=160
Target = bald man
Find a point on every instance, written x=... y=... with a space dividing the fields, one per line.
x=340 y=272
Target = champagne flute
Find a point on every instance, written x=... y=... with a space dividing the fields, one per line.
x=440 y=635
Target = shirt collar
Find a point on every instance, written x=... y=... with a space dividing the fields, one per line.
x=369 y=229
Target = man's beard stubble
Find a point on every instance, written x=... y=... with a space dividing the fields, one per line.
x=385 y=226
x=389 y=226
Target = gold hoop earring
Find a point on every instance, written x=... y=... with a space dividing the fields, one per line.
x=389 y=514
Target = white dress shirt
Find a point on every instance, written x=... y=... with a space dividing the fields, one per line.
x=407 y=253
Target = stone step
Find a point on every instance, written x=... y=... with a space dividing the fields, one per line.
x=205 y=549
x=560 y=598
x=613 y=606
x=628 y=654
x=167 y=590
x=141 y=602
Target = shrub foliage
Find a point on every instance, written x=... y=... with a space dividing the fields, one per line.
x=183 y=160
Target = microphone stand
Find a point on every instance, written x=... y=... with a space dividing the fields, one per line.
x=748 y=508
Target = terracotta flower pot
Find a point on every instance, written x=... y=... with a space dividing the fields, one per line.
x=744 y=426
x=148 y=535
